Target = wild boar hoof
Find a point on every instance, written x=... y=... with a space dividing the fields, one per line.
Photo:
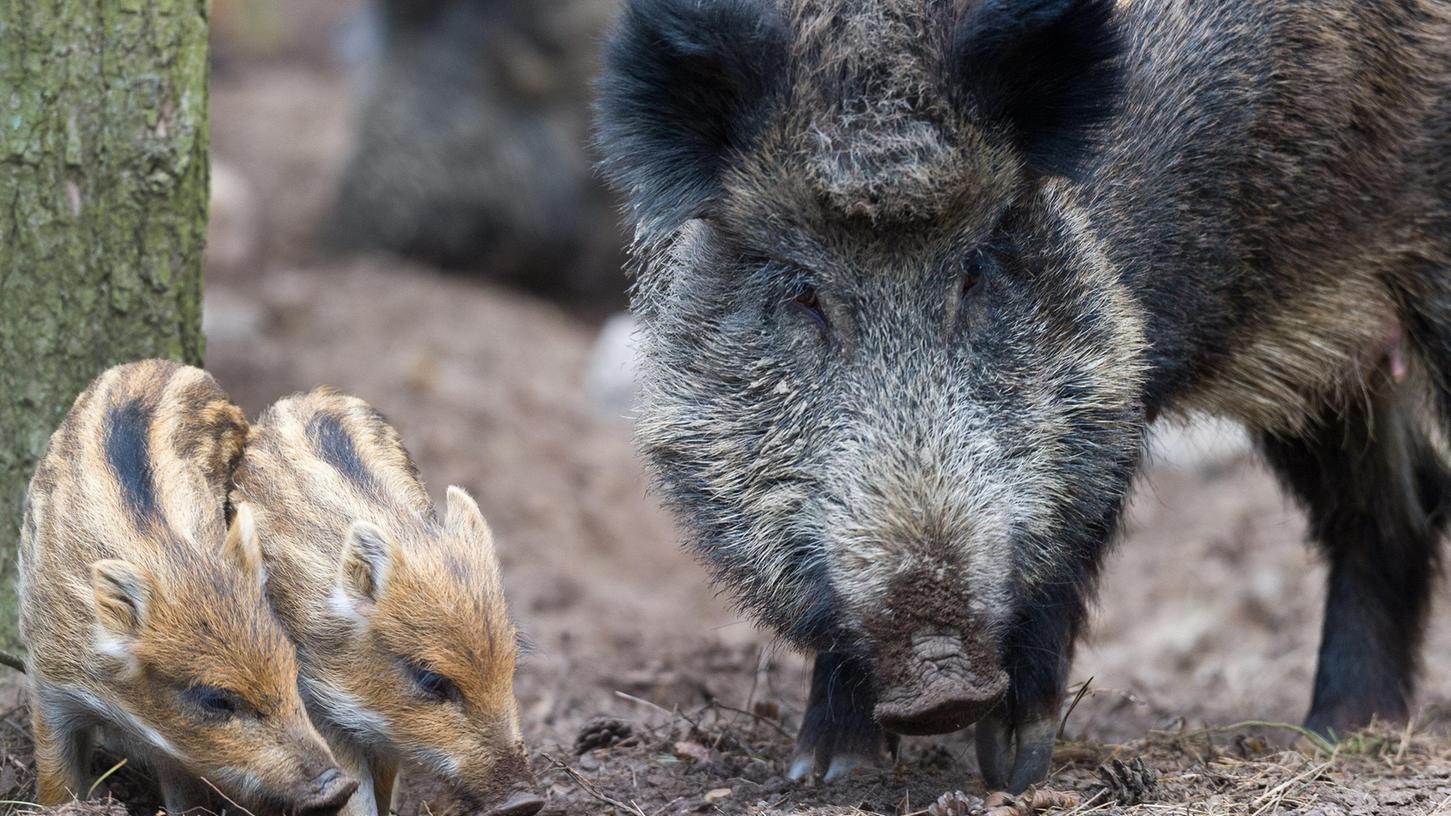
x=833 y=746
x=1013 y=756
x=837 y=734
x=833 y=763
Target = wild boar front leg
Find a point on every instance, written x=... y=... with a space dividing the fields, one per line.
x=838 y=732
x=1377 y=497
x=60 y=759
x=1014 y=742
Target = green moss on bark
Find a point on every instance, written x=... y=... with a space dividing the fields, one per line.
x=103 y=208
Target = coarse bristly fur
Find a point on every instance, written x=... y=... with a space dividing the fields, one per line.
x=145 y=617
x=406 y=644
x=916 y=275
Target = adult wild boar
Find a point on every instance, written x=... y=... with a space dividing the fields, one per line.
x=915 y=275
x=471 y=144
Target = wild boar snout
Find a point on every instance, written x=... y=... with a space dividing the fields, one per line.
x=507 y=787
x=522 y=802
x=937 y=682
x=331 y=790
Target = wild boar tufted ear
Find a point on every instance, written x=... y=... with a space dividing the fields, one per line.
x=1048 y=69
x=465 y=520
x=243 y=545
x=122 y=596
x=368 y=560
x=464 y=517
x=684 y=87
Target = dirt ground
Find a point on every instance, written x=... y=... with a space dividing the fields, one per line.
x=1209 y=612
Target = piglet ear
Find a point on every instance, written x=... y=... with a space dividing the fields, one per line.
x=122 y=598
x=1049 y=70
x=244 y=546
x=369 y=557
x=684 y=87
x=465 y=520
x=463 y=517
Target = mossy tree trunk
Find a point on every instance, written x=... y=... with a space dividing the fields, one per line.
x=103 y=193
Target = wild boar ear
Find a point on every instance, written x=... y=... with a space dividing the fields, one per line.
x=464 y=517
x=1048 y=69
x=684 y=87
x=368 y=561
x=122 y=597
x=244 y=546
x=465 y=520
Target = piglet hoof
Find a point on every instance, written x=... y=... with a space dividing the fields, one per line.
x=1014 y=756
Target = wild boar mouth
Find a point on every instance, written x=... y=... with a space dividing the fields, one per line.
x=936 y=683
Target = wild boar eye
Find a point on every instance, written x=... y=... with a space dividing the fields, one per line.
x=971 y=278
x=215 y=703
x=806 y=302
x=433 y=685
x=977 y=266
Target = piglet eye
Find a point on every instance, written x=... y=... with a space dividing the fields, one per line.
x=806 y=302
x=433 y=685
x=215 y=703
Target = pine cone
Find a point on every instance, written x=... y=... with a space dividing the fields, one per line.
x=601 y=732
x=956 y=803
x=1131 y=784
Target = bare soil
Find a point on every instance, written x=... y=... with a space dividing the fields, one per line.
x=1209 y=613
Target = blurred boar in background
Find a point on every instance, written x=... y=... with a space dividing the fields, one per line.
x=145 y=617
x=471 y=145
x=917 y=274
x=407 y=648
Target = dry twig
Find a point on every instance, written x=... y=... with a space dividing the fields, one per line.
x=590 y=788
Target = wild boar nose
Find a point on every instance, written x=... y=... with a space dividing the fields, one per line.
x=333 y=790
x=940 y=682
x=520 y=803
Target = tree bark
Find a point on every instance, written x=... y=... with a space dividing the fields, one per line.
x=103 y=208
